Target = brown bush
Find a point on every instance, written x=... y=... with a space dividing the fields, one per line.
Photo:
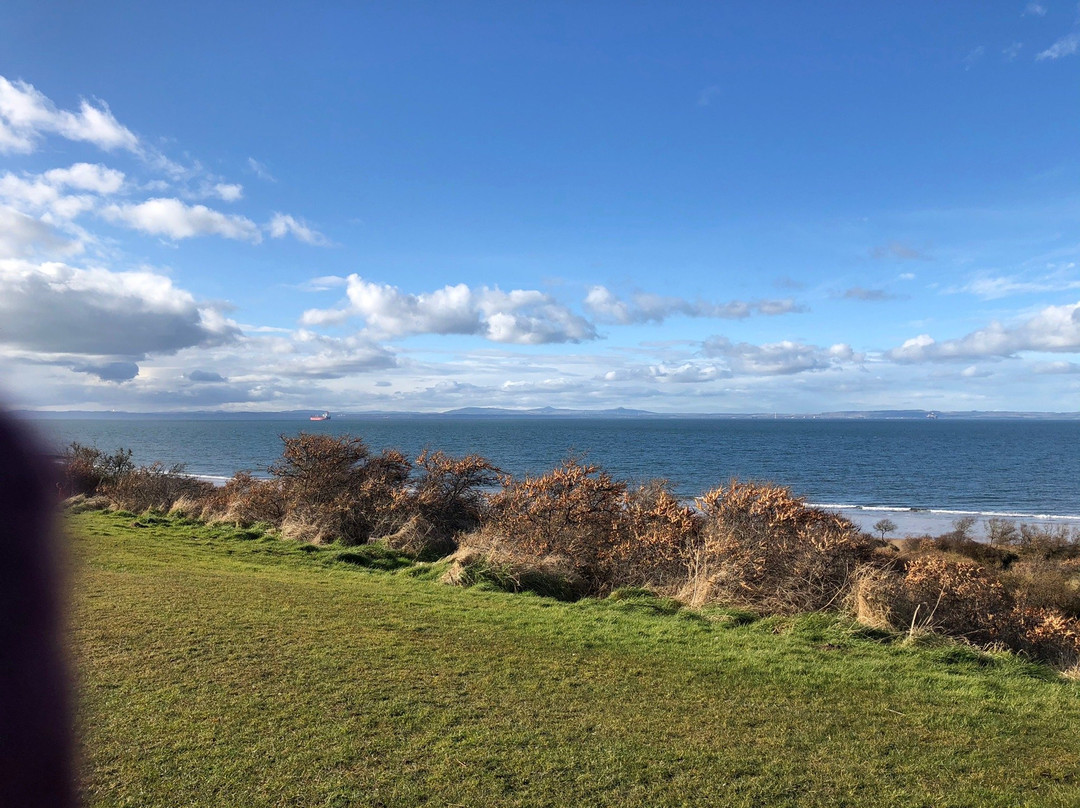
x=84 y=469
x=995 y=557
x=334 y=489
x=654 y=538
x=1049 y=541
x=154 y=487
x=449 y=494
x=959 y=597
x=1045 y=634
x=761 y=546
x=572 y=512
x=245 y=500
x=1046 y=584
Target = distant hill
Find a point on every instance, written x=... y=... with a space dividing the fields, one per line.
x=547 y=412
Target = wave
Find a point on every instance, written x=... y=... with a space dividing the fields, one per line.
x=1061 y=517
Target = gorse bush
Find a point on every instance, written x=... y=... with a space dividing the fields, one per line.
x=761 y=545
x=154 y=487
x=577 y=531
x=571 y=513
x=334 y=489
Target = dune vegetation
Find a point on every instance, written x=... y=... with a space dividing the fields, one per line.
x=576 y=532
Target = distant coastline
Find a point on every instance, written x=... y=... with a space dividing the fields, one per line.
x=554 y=412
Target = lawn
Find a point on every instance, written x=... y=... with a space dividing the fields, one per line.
x=219 y=667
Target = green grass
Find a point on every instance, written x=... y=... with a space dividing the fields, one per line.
x=221 y=667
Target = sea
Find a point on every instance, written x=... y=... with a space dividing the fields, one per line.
x=922 y=474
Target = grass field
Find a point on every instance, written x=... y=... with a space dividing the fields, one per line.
x=220 y=667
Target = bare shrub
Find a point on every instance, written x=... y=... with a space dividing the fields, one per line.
x=988 y=555
x=1001 y=532
x=959 y=597
x=448 y=496
x=335 y=489
x=1049 y=541
x=245 y=500
x=1046 y=584
x=654 y=537
x=1045 y=634
x=764 y=547
x=86 y=468
x=154 y=487
x=572 y=512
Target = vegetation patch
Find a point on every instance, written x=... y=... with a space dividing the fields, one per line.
x=217 y=668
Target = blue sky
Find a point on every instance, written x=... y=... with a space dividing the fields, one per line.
x=697 y=207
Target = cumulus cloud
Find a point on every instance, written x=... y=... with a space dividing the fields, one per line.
x=92 y=177
x=282 y=225
x=109 y=371
x=777 y=358
x=58 y=309
x=26 y=114
x=173 y=219
x=46 y=193
x=317 y=356
x=646 y=308
x=22 y=236
x=522 y=316
x=687 y=373
x=228 y=191
x=1054 y=329
x=1066 y=46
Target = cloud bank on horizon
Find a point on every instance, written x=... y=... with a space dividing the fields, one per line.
x=743 y=237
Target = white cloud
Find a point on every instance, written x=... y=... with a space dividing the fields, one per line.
x=990 y=287
x=1054 y=329
x=1066 y=46
x=26 y=114
x=282 y=225
x=525 y=317
x=22 y=236
x=260 y=171
x=1012 y=51
x=92 y=177
x=54 y=308
x=1057 y=367
x=1035 y=9
x=778 y=358
x=644 y=308
x=174 y=219
x=687 y=373
x=43 y=193
x=228 y=192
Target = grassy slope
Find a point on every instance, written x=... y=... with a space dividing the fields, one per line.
x=222 y=670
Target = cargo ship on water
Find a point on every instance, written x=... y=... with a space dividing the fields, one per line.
x=324 y=417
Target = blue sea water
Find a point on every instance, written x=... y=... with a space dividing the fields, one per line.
x=922 y=474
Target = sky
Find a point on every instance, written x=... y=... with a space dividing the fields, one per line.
x=680 y=207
